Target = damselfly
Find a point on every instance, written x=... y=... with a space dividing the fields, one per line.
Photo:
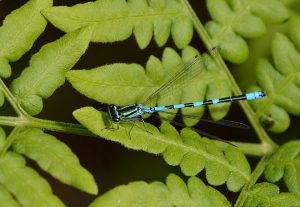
x=186 y=73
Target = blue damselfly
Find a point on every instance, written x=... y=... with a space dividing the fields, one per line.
x=186 y=72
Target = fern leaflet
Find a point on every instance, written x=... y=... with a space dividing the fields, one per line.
x=233 y=20
x=116 y=20
x=267 y=194
x=54 y=157
x=19 y=31
x=29 y=93
x=174 y=193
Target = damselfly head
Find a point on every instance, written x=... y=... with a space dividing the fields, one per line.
x=113 y=113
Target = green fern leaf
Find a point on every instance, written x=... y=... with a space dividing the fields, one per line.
x=25 y=184
x=106 y=83
x=174 y=193
x=2 y=98
x=2 y=137
x=267 y=194
x=6 y=199
x=235 y=19
x=286 y=163
x=281 y=83
x=188 y=149
x=54 y=157
x=19 y=31
x=294 y=31
x=50 y=63
x=116 y=20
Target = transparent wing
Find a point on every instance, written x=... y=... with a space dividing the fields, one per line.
x=185 y=73
x=203 y=133
x=223 y=122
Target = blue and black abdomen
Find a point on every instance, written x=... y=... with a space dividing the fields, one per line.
x=248 y=96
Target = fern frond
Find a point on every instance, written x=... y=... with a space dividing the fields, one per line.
x=109 y=83
x=281 y=83
x=55 y=158
x=47 y=69
x=174 y=193
x=25 y=184
x=285 y=163
x=267 y=194
x=235 y=20
x=116 y=20
x=19 y=31
x=188 y=149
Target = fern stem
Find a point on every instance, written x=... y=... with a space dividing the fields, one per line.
x=253 y=149
x=9 y=140
x=56 y=126
x=10 y=97
x=262 y=135
x=26 y=120
x=70 y=128
x=253 y=179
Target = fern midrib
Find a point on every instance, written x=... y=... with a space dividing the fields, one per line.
x=109 y=85
x=253 y=179
x=187 y=149
x=128 y=18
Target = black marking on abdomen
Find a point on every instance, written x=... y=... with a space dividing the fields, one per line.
x=170 y=107
x=227 y=99
x=238 y=98
x=207 y=102
x=232 y=99
x=189 y=105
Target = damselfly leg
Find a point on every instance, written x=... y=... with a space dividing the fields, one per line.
x=133 y=121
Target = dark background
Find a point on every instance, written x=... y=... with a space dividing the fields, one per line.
x=110 y=163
